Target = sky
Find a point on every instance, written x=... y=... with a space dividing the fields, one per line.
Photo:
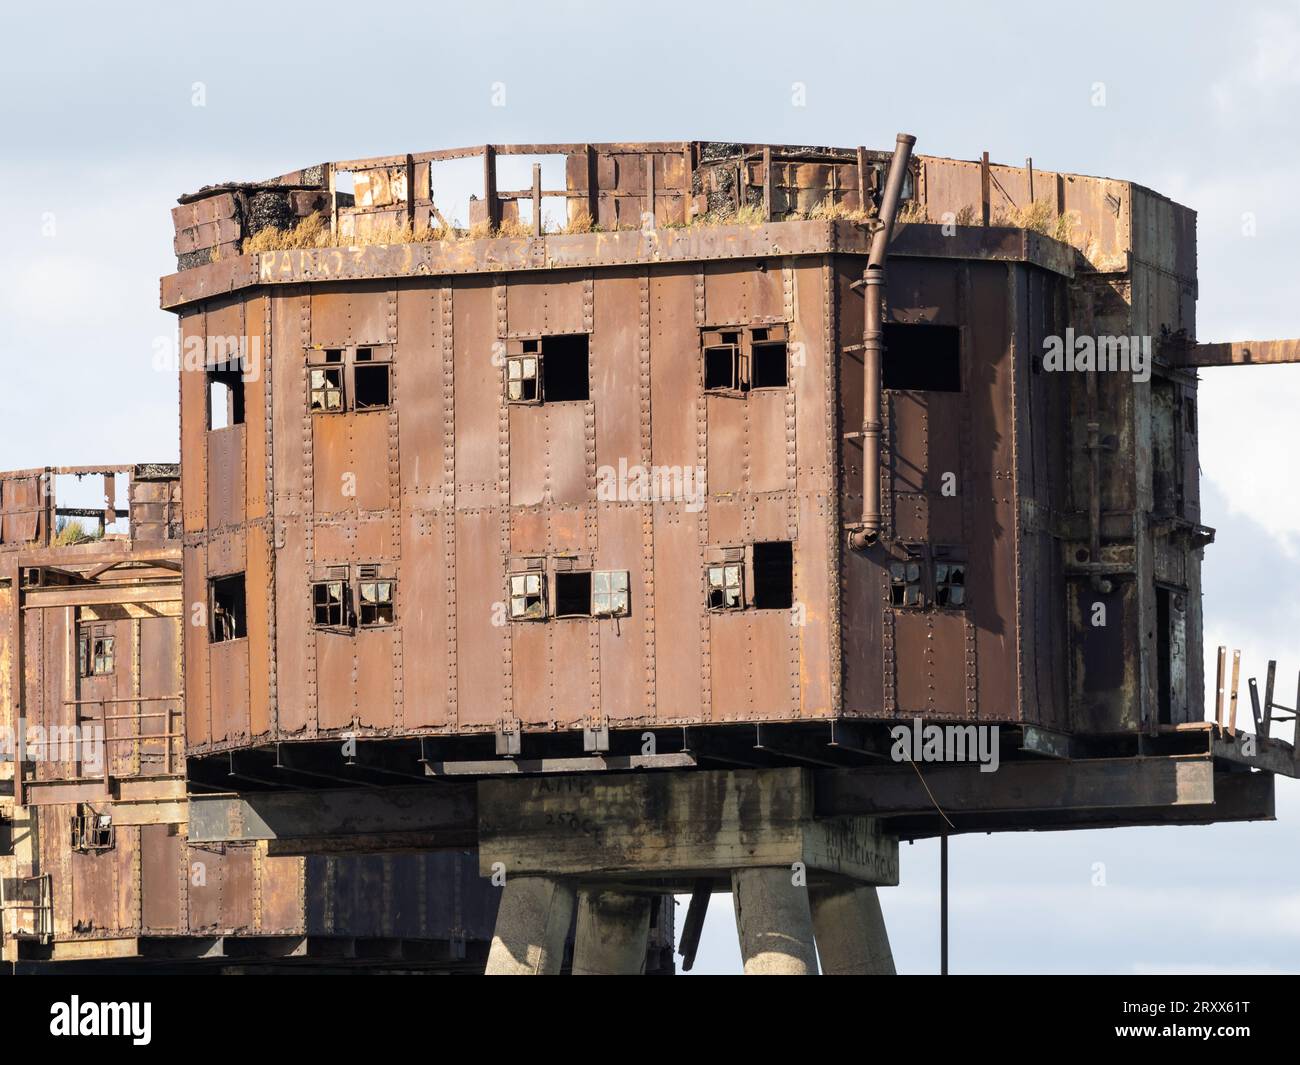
x=108 y=113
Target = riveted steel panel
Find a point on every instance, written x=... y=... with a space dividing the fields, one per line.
x=420 y=396
x=374 y=678
x=731 y=676
x=812 y=622
x=478 y=396
x=225 y=476
x=281 y=894
x=335 y=477
x=229 y=690
x=335 y=679
x=160 y=902
x=237 y=889
x=678 y=595
x=623 y=644
x=198 y=725
x=569 y=529
x=571 y=671
x=728 y=453
x=204 y=890
x=257 y=596
x=255 y=421
x=567 y=451
x=730 y=517
x=675 y=356
x=544 y=306
x=194 y=422
x=529 y=530
x=352 y=316
x=422 y=612
x=768 y=445
x=532 y=676
x=94 y=888
x=289 y=322
x=616 y=371
x=530 y=455
x=480 y=636
x=370 y=459
x=292 y=604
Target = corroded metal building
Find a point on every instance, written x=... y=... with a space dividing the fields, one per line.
x=613 y=479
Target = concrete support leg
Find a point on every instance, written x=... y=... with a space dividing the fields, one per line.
x=774 y=922
x=612 y=935
x=851 y=936
x=532 y=925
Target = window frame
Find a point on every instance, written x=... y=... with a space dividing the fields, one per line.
x=536 y=378
x=90 y=657
x=346 y=366
x=747 y=338
x=521 y=348
x=524 y=595
x=344 y=609
x=710 y=585
x=612 y=577
x=239 y=620
x=391 y=602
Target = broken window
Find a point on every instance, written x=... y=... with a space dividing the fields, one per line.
x=521 y=379
x=329 y=603
x=553 y=369
x=327 y=389
x=774 y=575
x=376 y=603
x=738 y=359
x=724 y=369
x=229 y=620
x=573 y=594
x=950 y=584
x=769 y=362
x=923 y=357
x=91 y=831
x=225 y=398
x=609 y=593
x=370 y=381
x=905 y=583
x=565 y=372
x=726 y=586
x=95 y=652
x=356 y=379
x=527 y=596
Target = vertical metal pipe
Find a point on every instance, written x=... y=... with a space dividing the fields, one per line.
x=873 y=343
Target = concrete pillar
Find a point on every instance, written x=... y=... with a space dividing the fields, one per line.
x=613 y=934
x=532 y=925
x=774 y=922
x=851 y=936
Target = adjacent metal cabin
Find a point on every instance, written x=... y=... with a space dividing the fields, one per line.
x=561 y=484
x=97 y=861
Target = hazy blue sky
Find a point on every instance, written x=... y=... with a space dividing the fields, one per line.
x=99 y=134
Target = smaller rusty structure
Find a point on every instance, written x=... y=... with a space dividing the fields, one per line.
x=96 y=860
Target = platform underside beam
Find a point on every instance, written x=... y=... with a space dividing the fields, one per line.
x=1041 y=794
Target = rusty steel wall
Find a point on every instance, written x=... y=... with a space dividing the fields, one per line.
x=448 y=489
